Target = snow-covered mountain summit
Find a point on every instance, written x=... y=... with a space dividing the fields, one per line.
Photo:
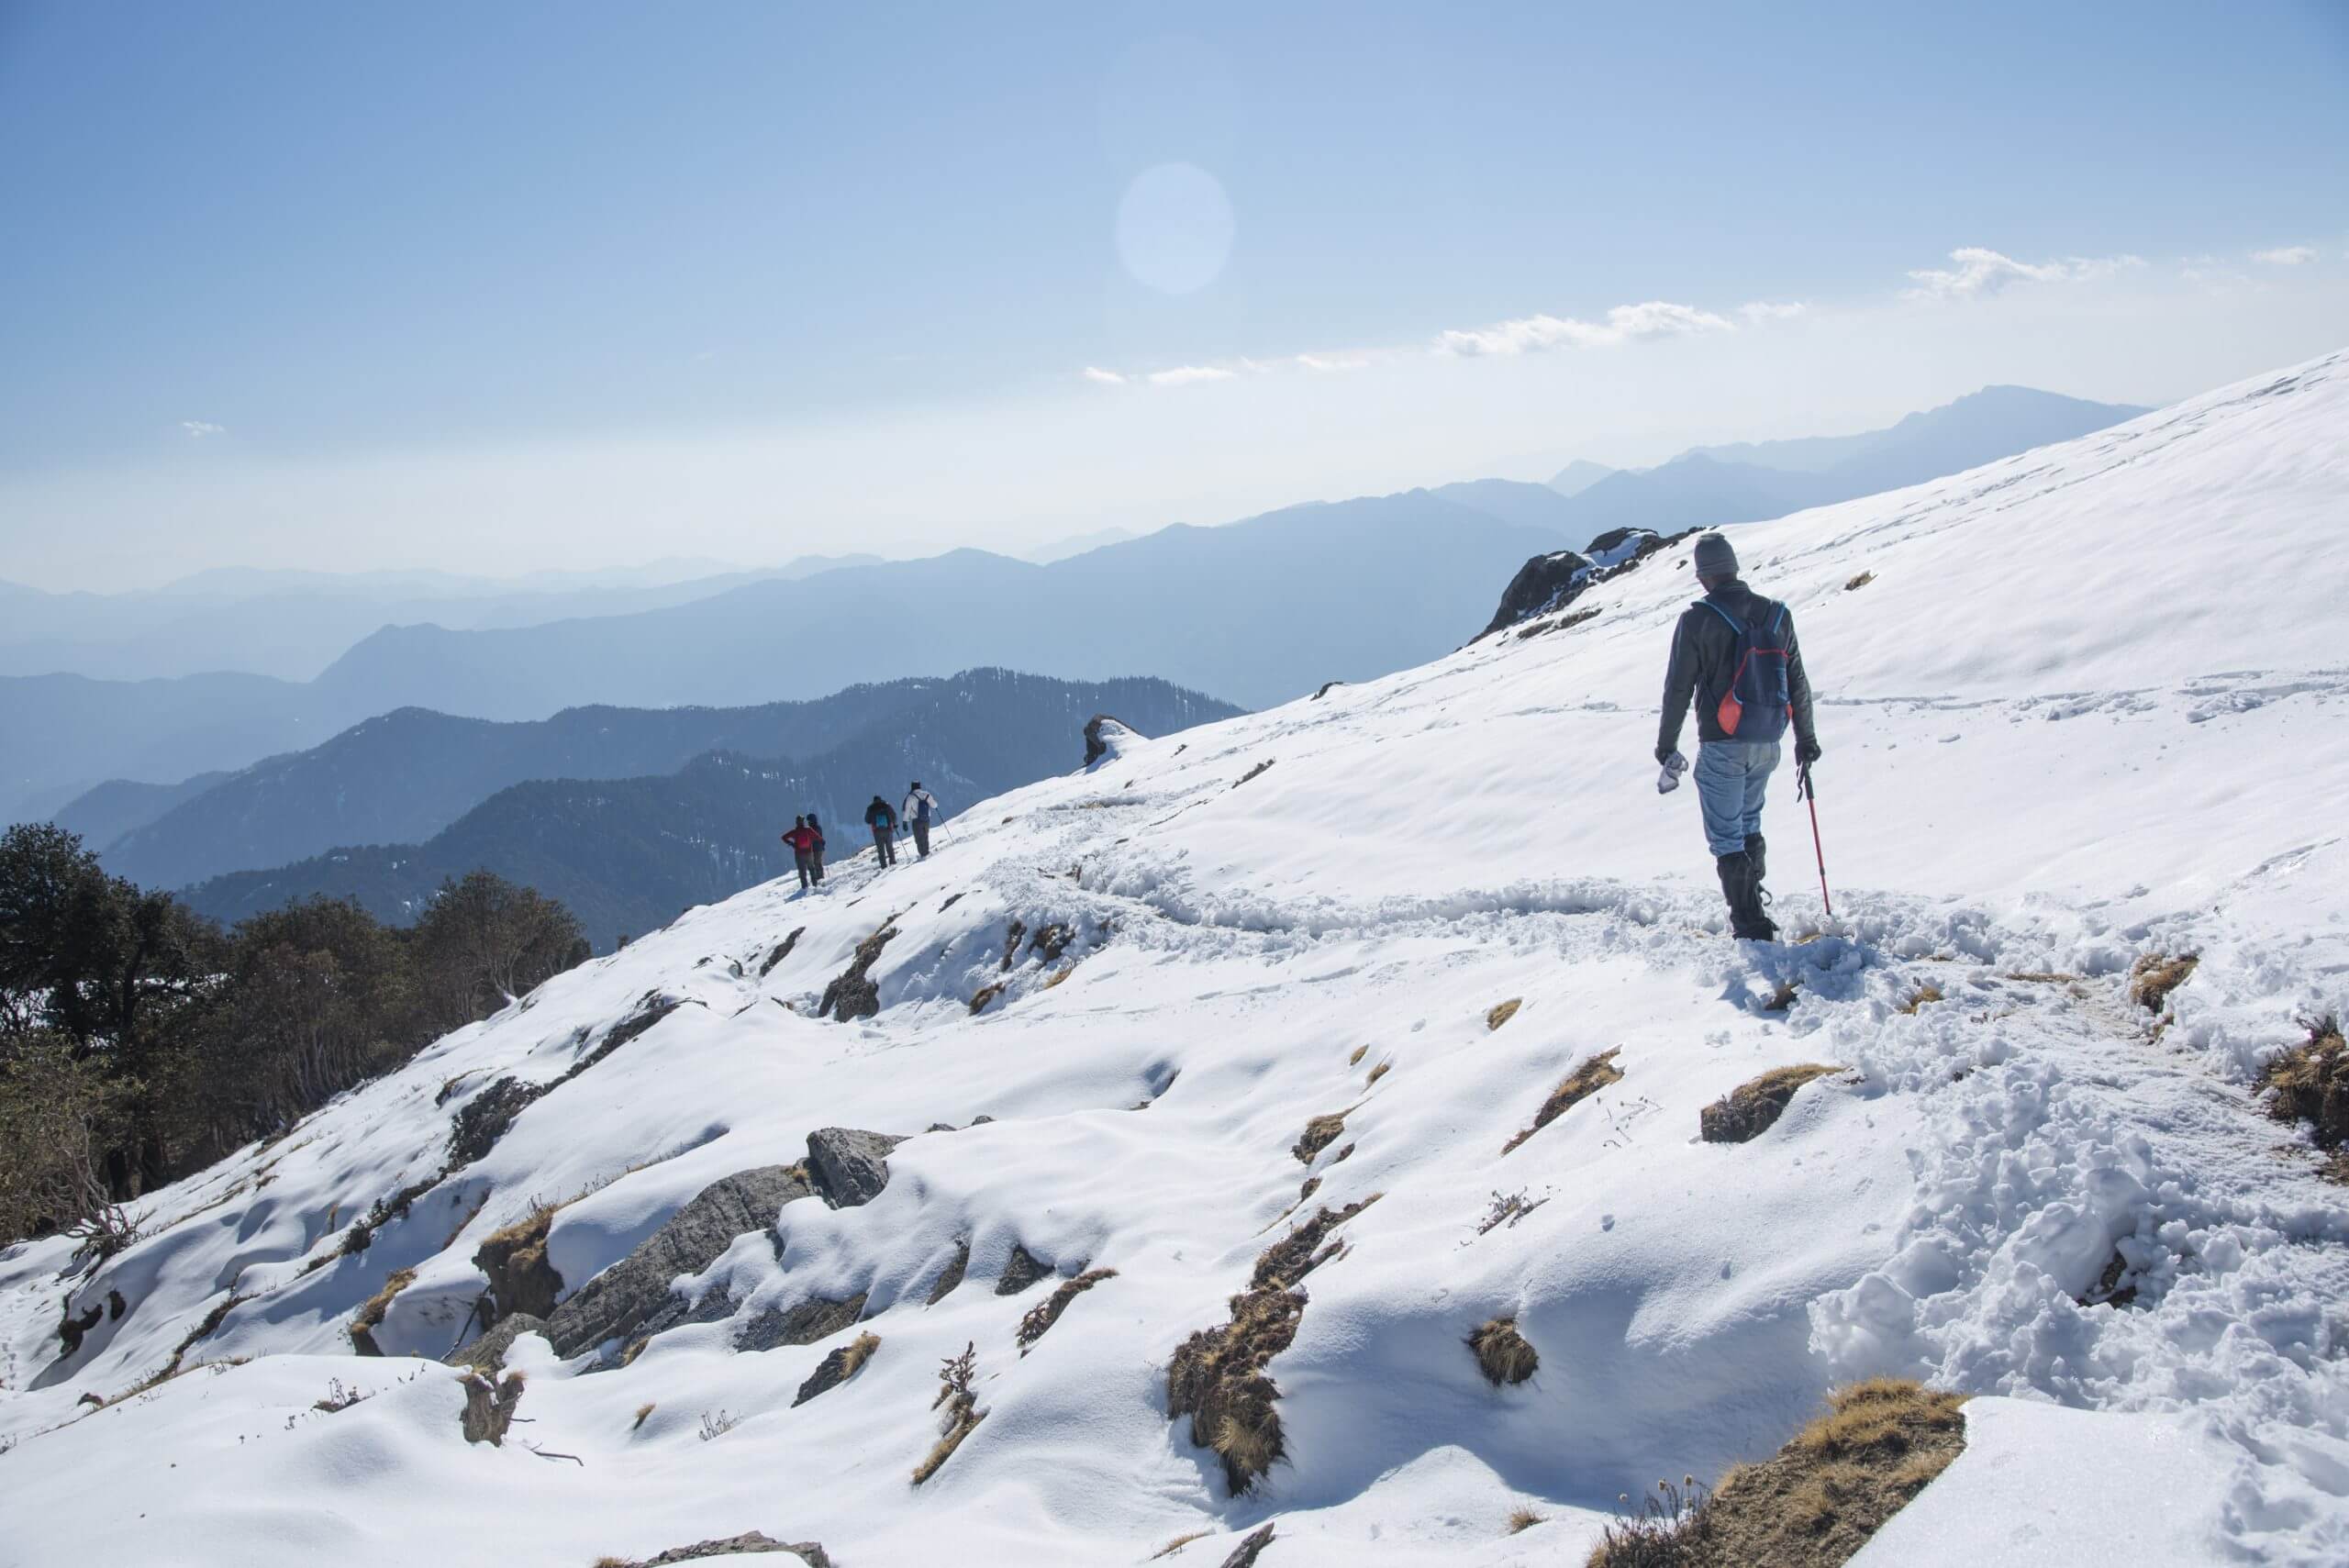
x=1246 y=1059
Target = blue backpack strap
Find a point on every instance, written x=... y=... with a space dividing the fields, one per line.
x=1734 y=625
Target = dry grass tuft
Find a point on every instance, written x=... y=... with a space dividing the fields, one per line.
x=1046 y=1313
x=1058 y=975
x=370 y=1315
x=1503 y=1355
x=1179 y=1542
x=1319 y=1133
x=1862 y=581
x=1815 y=1502
x=1502 y=1012
x=1377 y=1074
x=1303 y=1250
x=1748 y=1111
x=2156 y=975
x=1523 y=1519
x=1217 y=1378
x=2042 y=976
x=642 y=1411
x=2311 y=1083
x=1353 y=1061
x=1924 y=996
x=1582 y=1082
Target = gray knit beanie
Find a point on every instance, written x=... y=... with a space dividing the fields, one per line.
x=1716 y=562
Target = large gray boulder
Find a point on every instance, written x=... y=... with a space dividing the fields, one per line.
x=848 y=1167
x=488 y=1352
x=627 y=1296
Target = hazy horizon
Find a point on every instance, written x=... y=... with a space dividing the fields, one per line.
x=357 y=291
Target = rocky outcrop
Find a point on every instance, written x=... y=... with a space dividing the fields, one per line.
x=621 y=1300
x=743 y=1545
x=1544 y=583
x=851 y=992
x=484 y=1119
x=521 y=1279
x=802 y=1324
x=488 y=1352
x=1021 y=1270
x=848 y=1167
x=844 y=1362
x=1103 y=736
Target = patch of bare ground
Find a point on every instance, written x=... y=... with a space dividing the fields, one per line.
x=370 y=1315
x=2156 y=975
x=1501 y=1012
x=1319 y=1134
x=1502 y=1353
x=1812 y=1505
x=2309 y=1083
x=1581 y=1083
x=961 y=1406
x=1750 y=1109
x=1045 y=1314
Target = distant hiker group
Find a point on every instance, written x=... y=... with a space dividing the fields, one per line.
x=1734 y=656
x=806 y=835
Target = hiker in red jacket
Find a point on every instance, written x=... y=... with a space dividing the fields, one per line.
x=803 y=840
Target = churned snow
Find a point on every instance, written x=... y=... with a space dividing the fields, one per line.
x=2090 y=705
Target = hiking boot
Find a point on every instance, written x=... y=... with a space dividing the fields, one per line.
x=1746 y=920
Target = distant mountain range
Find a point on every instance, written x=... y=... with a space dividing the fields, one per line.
x=1749 y=481
x=1253 y=611
x=626 y=854
x=294 y=624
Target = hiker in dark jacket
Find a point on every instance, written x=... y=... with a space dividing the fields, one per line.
x=816 y=856
x=883 y=820
x=802 y=839
x=1738 y=740
x=919 y=803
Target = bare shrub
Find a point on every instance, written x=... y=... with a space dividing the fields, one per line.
x=1585 y=1081
x=961 y=1405
x=716 y=1427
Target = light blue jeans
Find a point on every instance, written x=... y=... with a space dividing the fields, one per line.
x=1731 y=776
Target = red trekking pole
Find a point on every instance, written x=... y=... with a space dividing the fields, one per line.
x=1805 y=790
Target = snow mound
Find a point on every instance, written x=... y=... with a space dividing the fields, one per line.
x=2080 y=707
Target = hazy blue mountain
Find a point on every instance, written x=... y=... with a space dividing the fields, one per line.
x=293 y=624
x=105 y=813
x=1078 y=544
x=1578 y=477
x=1533 y=506
x=626 y=854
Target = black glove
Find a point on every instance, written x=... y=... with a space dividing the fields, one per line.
x=1666 y=753
x=1807 y=752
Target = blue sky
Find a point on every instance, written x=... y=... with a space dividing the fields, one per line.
x=455 y=286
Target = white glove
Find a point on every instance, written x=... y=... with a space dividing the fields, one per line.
x=1669 y=779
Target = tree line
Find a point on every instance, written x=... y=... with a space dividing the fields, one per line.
x=140 y=1041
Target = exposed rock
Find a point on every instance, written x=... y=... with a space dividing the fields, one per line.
x=489 y=1407
x=742 y=1545
x=650 y=1009
x=951 y=1275
x=1251 y=1547
x=1544 y=583
x=1326 y=688
x=1021 y=1270
x=851 y=994
x=844 y=1362
x=781 y=951
x=625 y=1296
x=514 y=1258
x=849 y=1168
x=1748 y=1111
x=803 y=1323
x=484 y=1119
x=488 y=1352
x=1053 y=940
x=1101 y=734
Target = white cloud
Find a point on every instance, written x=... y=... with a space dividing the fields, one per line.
x=1105 y=378
x=199 y=429
x=1185 y=375
x=1761 y=310
x=1981 y=271
x=1333 y=362
x=1624 y=323
x=2286 y=255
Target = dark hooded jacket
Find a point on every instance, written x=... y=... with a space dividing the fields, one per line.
x=1704 y=659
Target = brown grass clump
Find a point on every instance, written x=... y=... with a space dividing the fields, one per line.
x=1502 y=1012
x=1815 y=1502
x=844 y=1362
x=1582 y=1082
x=1179 y=1542
x=1748 y=1111
x=370 y=1315
x=2156 y=975
x=514 y=1258
x=1353 y=1061
x=1302 y=1251
x=1058 y=975
x=1523 y=1519
x=2041 y=977
x=2311 y=1083
x=1046 y=1313
x=1862 y=581
x=1319 y=1133
x=962 y=1406
x=1503 y=1355
x=985 y=994
x=1377 y=1074
x=642 y=1412
x=1924 y=996
x=1782 y=998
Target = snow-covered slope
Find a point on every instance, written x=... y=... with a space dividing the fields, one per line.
x=2090 y=706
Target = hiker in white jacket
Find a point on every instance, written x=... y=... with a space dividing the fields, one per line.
x=916 y=814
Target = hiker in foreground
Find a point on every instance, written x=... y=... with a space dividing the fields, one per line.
x=802 y=839
x=884 y=823
x=1735 y=653
x=919 y=803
